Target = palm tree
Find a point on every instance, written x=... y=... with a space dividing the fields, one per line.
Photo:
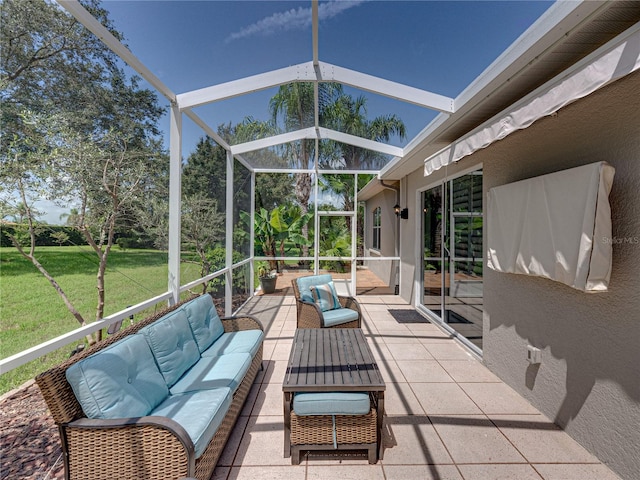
x=293 y=108
x=349 y=115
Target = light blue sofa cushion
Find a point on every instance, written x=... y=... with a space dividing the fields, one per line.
x=325 y=296
x=305 y=282
x=214 y=372
x=244 y=341
x=199 y=413
x=172 y=344
x=339 y=316
x=120 y=381
x=331 y=403
x=204 y=320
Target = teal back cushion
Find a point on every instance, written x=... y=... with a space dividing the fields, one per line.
x=204 y=320
x=172 y=344
x=119 y=381
x=304 y=284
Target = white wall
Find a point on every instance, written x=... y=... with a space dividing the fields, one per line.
x=589 y=379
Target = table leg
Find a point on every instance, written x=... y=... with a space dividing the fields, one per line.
x=380 y=416
x=287 y=424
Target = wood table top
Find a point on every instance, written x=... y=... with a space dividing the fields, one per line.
x=331 y=359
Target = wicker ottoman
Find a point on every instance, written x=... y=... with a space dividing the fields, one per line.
x=334 y=432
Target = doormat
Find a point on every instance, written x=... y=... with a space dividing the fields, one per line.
x=407 y=316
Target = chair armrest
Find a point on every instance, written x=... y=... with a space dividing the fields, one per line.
x=245 y=322
x=309 y=315
x=352 y=303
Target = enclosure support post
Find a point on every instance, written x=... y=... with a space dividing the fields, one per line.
x=228 y=299
x=175 y=195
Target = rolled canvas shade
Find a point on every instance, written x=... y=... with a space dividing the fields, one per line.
x=556 y=226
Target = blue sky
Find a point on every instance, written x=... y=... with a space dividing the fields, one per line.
x=439 y=46
x=436 y=46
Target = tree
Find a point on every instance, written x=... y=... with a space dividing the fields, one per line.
x=98 y=149
x=293 y=108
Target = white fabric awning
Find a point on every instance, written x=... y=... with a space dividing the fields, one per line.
x=556 y=226
x=614 y=60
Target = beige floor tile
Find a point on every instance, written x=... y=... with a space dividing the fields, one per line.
x=444 y=399
x=421 y=472
x=447 y=351
x=269 y=400
x=412 y=351
x=345 y=472
x=474 y=439
x=291 y=472
x=400 y=400
x=575 y=472
x=262 y=442
x=497 y=398
x=267 y=348
x=412 y=440
x=220 y=473
x=231 y=447
x=468 y=371
x=499 y=472
x=251 y=399
x=390 y=371
x=275 y=371
x=282 y=350
x=539 y=440
x=378 y=348
x=423 y=371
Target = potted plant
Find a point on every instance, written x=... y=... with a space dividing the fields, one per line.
x=267 y=279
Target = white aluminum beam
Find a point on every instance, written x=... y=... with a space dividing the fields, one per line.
x=228 y=244
x=303 y=72
x=175 y=201
x=308 y=133
x=89 y=21
x=359 y=142
x=398 y=91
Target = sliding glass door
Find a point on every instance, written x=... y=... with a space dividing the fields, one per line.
x=452 y=255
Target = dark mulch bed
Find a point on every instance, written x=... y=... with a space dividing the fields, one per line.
x=29 y=439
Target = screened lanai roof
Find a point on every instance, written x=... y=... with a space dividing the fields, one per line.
x=448 y=71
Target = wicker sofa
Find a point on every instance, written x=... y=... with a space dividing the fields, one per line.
x=159 y=398
x=310 y=312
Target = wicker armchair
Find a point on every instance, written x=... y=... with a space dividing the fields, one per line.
x=309 y=314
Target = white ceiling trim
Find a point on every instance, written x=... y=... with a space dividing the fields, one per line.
x=302 y=72
x=306 y=133
x=359 y=142
x=325 y=72
x=398 y=91
x=612 y=61
x=312 y=133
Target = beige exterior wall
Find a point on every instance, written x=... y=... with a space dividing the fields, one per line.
x=589 y=378
x=385 y=270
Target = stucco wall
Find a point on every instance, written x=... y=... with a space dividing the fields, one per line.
x=589 y=379
x=388 y=230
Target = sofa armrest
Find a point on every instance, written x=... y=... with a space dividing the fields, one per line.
x=245 y=322
x=150 y=446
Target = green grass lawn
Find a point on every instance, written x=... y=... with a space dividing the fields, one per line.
x=31 y=311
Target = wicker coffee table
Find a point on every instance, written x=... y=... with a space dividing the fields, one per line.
x=332 y=360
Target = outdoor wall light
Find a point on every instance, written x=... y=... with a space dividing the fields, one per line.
x=401 y=212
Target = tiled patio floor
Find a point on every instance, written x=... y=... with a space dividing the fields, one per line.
x=447 y=416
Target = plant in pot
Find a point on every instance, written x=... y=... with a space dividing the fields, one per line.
x=267 y=279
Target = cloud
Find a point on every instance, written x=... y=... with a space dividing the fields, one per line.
x=293 y=19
